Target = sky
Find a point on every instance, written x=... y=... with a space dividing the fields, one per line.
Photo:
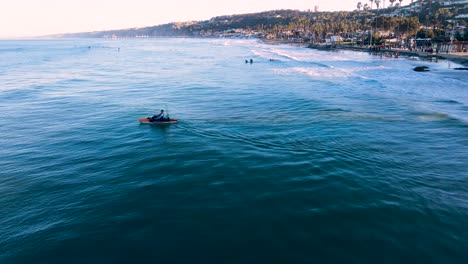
x=27 y=18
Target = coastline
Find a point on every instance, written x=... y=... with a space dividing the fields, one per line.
x=459 y=58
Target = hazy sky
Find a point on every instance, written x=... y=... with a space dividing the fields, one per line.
x=41 y=17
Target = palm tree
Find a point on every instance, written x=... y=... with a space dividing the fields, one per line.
x=419 y=18
x=370 y=39
x=377 y=4
x=359 y=5
x=399 y=21
x=392 y=2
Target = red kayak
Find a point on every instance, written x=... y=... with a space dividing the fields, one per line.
x=146 y=120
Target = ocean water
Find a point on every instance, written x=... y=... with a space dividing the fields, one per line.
x=304 y=156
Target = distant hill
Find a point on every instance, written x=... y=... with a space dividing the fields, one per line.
x=315 y=26
x=196 y=28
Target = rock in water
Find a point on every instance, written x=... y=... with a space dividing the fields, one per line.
x=421 y=69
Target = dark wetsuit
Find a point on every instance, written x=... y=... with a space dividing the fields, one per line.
x=157 y=118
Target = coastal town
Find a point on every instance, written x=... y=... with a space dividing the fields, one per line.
x=423 y=27
x=435 y=27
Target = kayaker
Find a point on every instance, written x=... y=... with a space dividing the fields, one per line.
x=158 y=117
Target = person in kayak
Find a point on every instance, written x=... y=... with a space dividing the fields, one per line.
x=157 y=118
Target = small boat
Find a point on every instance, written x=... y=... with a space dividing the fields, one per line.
x=145 y=120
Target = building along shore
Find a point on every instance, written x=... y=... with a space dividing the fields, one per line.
x=457 y=57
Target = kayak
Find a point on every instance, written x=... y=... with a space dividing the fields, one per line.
x=145 y=120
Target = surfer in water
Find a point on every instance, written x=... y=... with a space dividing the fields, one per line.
x=158 y=117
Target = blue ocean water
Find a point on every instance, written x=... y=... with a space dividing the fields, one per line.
x=304 y=156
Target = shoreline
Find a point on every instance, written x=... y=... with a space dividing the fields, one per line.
x=461 y=58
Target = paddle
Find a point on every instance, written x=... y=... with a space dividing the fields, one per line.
x=167 y=111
